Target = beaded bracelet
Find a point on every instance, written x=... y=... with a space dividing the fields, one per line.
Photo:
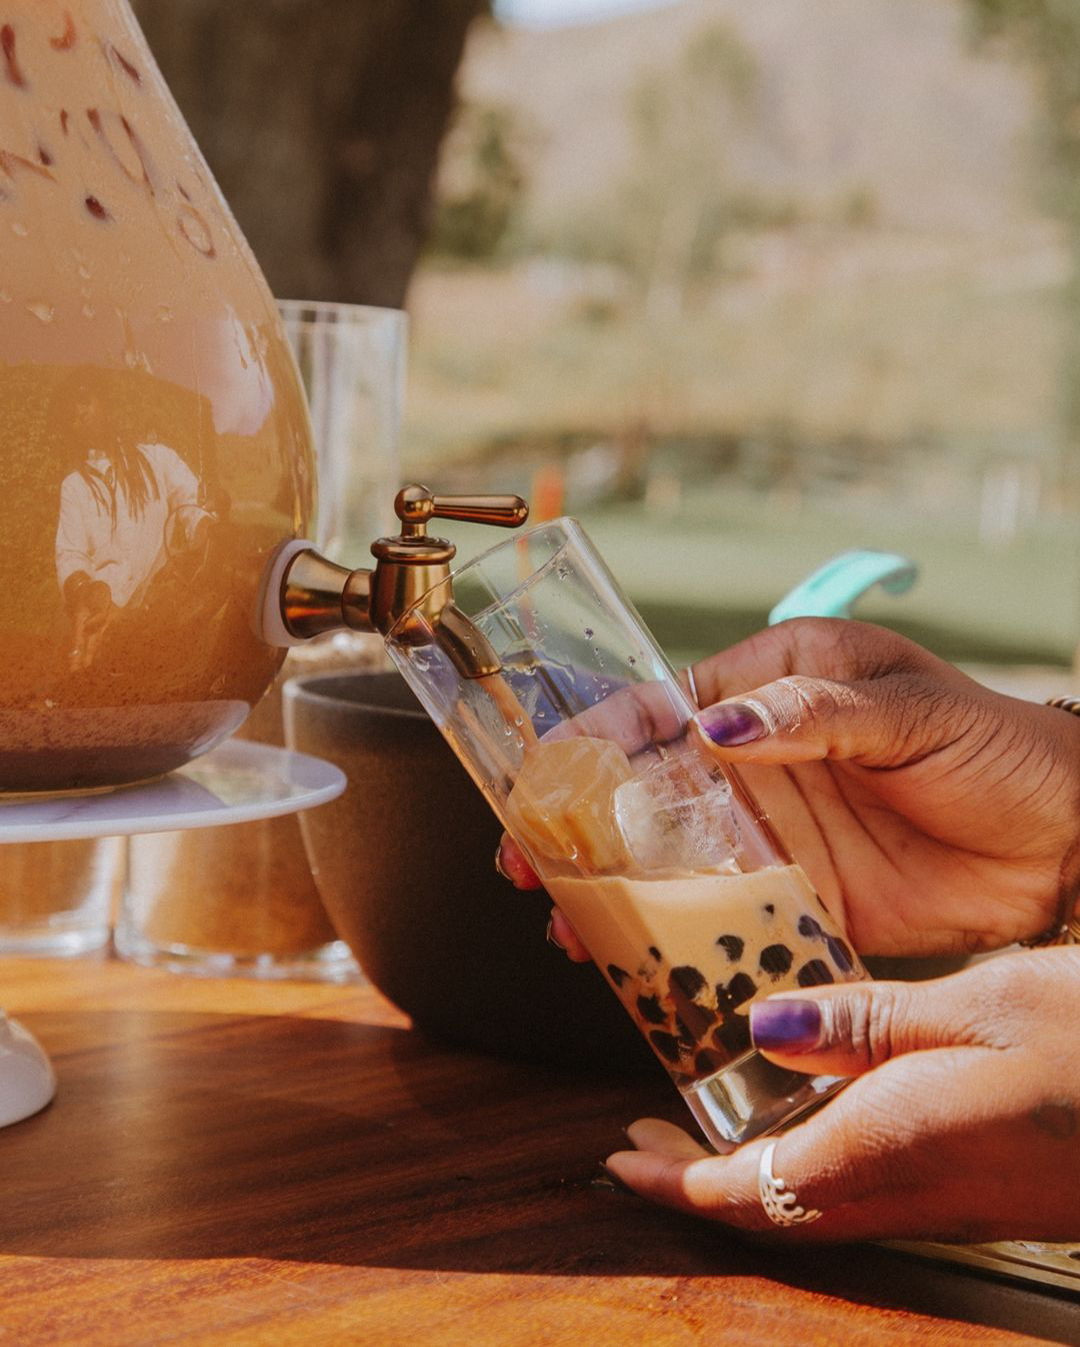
x=1065 y=932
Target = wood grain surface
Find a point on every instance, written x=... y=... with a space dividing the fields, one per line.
x=240 y=1162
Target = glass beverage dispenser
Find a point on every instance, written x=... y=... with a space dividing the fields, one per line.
x=153 y=433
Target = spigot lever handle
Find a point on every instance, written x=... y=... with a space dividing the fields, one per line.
x=506 y=512
x=415 y=505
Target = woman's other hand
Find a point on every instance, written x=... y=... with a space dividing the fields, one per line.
x=963 y=1123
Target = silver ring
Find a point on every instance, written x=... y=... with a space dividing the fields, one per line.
x=780 y=1203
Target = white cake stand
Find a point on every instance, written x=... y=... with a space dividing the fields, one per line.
x=237 y=782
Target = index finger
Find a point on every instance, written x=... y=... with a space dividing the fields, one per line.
x=635 y=717
x=817 y=647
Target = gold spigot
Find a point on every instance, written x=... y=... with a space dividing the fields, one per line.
x=411 y=577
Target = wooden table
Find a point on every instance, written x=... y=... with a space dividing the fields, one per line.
x=236 y=1162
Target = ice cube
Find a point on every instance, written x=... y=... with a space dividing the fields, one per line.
x=562 y=803
x=677 y=816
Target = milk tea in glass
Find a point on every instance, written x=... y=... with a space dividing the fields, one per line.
x=669 y=872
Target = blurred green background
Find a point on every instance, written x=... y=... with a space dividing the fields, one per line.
x=740 y=285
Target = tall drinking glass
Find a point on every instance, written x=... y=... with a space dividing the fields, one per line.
x=352 y=362
x=583 y=743
x=241 y=899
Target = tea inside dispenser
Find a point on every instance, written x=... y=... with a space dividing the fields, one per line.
x=154 y=433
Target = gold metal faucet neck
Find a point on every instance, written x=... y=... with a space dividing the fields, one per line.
x=411 y=575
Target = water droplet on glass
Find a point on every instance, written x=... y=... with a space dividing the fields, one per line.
x=88 y=310
x=164 y=313
x=631 y=661
x=84 y=272
x=43 y=311
x=589 y=631
x=17 y=227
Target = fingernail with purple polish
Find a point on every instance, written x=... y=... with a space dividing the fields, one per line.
x=785 y=1025
x=732 y=723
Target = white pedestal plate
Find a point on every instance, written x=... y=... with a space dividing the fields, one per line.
x=237 y=782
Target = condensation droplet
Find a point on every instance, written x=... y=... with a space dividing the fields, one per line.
x=84 y=272
x=164 y=314
x=88 y=310
x=43 y=311
x=630 y=659
x=588 y=631
x=17 y=227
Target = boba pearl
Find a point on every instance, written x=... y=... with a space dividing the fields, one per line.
x=841 y=953
x=814 y=974
x=775 y=960
x=732 y=945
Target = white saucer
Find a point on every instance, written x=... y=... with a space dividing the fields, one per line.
x=234 y=783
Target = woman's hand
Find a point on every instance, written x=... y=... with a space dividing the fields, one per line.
x=963 y=1124
x=933 y=815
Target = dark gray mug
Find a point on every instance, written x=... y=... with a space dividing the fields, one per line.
x=405 y=863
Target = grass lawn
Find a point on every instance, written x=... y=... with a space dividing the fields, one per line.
x=963 y=358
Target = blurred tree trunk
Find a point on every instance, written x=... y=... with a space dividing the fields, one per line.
x=321 y=120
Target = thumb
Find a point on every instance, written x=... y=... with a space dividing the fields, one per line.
x=879 y=722
x=847 y=1030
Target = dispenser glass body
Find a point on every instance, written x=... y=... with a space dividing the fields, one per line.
x=154 y=440
x=659 y=857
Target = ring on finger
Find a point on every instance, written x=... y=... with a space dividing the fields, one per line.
x=780 y=1202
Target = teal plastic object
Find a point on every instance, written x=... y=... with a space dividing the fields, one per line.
x=834 y=588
